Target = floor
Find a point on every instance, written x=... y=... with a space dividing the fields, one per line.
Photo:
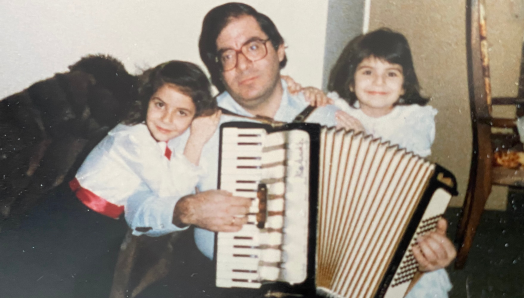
x=62 y=250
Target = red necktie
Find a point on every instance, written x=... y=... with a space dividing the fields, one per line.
x=167 y=153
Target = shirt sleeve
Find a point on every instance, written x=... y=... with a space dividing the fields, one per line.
x=339 y=102
x=422 y=125
x=148 y=214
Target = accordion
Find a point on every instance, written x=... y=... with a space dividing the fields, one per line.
x=333 y=212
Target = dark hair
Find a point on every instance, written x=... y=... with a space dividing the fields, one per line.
x=186 y=76
x=383 y=44
x=216 y=20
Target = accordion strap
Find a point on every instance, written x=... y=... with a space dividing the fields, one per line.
x=268 y=120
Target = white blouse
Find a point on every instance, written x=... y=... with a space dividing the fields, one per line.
x=410 y=126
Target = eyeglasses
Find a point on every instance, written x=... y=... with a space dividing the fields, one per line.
x=253 y=50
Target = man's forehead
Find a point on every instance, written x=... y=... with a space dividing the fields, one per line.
x=239 y=30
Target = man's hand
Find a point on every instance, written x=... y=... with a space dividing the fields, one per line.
x=214 y=210
x=316 y=97
x=434 y=250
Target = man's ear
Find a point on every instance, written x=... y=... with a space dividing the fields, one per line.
x=281 y=52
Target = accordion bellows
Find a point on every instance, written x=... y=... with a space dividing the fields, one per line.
x=333 y=211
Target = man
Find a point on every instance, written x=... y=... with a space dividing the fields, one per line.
x=244 y=53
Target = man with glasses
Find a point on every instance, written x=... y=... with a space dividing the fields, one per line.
x=244 y=53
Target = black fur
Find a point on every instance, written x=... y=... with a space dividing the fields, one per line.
x=47 y=130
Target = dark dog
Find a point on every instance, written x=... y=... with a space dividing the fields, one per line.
x=47 y=130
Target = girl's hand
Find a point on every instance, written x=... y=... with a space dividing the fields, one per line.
x=348 y=122
x=292 y=86
x=316 y=97
x=203 y=128
x=434 y=250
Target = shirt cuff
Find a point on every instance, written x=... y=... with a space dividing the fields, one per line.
x=154 y=218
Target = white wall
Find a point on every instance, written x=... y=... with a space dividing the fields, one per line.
x=39 y=38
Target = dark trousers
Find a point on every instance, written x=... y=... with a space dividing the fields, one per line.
x=193 y=276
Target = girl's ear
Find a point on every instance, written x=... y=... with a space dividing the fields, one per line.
x=351 y=88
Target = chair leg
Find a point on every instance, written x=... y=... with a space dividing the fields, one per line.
x=479 y=188
x=467 y=230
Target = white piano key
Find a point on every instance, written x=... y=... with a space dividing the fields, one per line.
x=242 y=162
x=271 y=255
x=230 y=263
x=275 y=205
x=252 y=218
x=269 y=273
x=274 y=172
x=232 y=185
x=247 y=231
x=275 y=222
x=227 y=283
x=254 y=208
x=243 y=252
x=241 y=172
x=230 y=274
x=273 y=238
x=240 y=242
x=242 y=139
x=274 y=156
x=276 y=188
x=244 y=148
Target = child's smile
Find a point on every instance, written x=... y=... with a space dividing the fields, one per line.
x=169 y=113
x=378 y=86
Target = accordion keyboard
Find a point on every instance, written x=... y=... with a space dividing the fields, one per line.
x=254 y=165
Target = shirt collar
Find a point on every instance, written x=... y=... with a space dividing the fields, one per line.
x=290 y=105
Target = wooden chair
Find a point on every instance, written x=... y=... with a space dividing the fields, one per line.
x=483 y=173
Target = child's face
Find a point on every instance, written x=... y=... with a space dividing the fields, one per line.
x=378 y=85
x=169 y=113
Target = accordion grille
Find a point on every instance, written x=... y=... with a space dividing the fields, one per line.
x=381 y=186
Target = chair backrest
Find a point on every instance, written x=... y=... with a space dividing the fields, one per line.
x=478 y=61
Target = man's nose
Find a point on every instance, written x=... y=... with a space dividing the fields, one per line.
x=242 y=61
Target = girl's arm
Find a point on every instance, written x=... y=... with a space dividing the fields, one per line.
x=202 y=128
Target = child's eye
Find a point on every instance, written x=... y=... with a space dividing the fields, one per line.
x=182 y=113
x=159 y=104
x=393 y=74
x=366 y=72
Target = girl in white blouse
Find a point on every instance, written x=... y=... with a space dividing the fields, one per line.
x=374 y=82
x=137 y=154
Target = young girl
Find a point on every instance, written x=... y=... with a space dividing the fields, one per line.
x=136 y=155
x=374 y=82
x=375 y=76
